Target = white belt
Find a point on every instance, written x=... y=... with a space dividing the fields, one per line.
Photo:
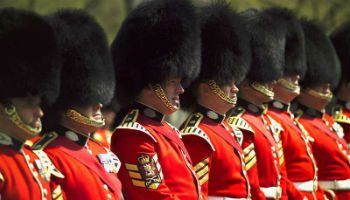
x=272 y=192
x=307 y=186
x=224 y=198
x=336 y=184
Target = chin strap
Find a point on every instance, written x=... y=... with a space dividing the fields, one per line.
x=157 y=88
x=81 y=119
x=295 y=88
x=262 y=89
x=326 y=96
x=11 y=114
x=218 y=91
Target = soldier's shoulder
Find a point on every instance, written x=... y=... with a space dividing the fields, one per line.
x=45 y=140
x=130 y=124
x=192 y=128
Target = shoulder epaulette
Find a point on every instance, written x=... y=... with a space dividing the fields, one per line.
x=129 y=122
x=240 y=123
x=2 y=179
x=44 y=141
x=237 y=112
x=191 y=128
x=338 y=116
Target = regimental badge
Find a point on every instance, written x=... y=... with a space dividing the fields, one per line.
x=110 y=162
x=147 y=172
x=45 y=166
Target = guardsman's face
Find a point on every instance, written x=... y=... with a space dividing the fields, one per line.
x=28 y=108
x=284 y=94
x=231 y=91
x=172 y=89
x=92 y=111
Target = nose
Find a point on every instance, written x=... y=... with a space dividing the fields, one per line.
x=39 y=112
x=98 y=106
x=180 y=89
x=234 y=89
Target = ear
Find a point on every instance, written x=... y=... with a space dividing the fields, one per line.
x=204 y=89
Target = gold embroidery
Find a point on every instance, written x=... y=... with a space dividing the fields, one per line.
x=217 y=90
x=79 y=118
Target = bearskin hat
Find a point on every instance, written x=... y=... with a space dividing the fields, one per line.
x=277 y=44
x=225 y=45
x=341 y=41
x=87 y=71
x=226 y=52
x=322 y=62
x=159 y=39
x=28 y=54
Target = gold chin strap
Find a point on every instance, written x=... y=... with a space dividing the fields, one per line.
x=157 y=88
x=261 y=88
x=289 y=85
x=12 y=115
x=217 y=90
x=326 y=96
x=79 y=118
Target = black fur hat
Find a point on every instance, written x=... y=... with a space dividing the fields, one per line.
x=226 y=52
x=322 y=62
x=28 y=54
x=158 y=39
x=277 y=44
x=87 y=71
x=341 y=41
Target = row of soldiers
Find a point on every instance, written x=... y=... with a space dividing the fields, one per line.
x=257 y=85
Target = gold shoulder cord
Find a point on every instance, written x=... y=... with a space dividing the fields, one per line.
x=12 y=114
x=79 y=118
x=217 y=90
x=160 y=93
x=260 y=88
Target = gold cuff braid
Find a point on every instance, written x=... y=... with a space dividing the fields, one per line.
x=79 y=118
x=261 y=88
x=217 y=90
x=157 y=88
x=12 y=115
x=326 y=96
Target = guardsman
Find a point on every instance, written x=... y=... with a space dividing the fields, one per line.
x=299 y=160
x=87 y=82
x=156 y=50
x=216 y=154
x=341 y=111
x=29 y=77
x=329 y=148
x=268 y=30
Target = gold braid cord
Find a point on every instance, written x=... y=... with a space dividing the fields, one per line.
x=326 y=96
x=12 y=114
x=79 y=118
x=289 y=85
x=160 y=93
x=217 y=90
x=260 y=88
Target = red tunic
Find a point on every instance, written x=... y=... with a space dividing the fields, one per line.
x=341 y=114
x=329 y=149
x=269 y=153
x=103 y=136
x=155 y=162
x=90 y=169
x=247 y=142
x=26 y=174
x=299 y=159
x=217 y=156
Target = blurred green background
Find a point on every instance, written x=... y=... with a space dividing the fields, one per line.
x=110 y=13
